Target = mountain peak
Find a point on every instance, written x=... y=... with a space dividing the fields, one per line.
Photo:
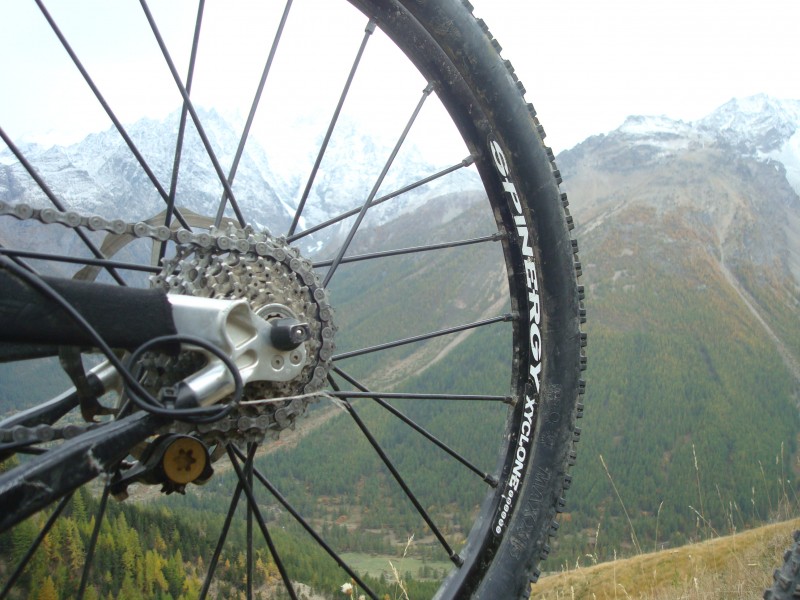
x=761 y=127
x=758 y=123
x=649 y=124
x=654 y=136
x=757 y=105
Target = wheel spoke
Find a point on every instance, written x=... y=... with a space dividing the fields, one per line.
x=422 y=337
x=344 y=396
x=88 y=561
x=223 y=535
x=310 y=530
x=34 y=545
x=248 y=467
x=110 y=265
x=198 y=125
x=254 y=106
x=495 y=237
x=134 y=150
x=370 y=29
x=55 y=201
x=332 y=221
x=257 y=514
x=176 y=163
x=422 y=396
x=351 y=234
x=490 y=479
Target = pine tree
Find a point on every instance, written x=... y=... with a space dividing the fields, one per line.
x=48 y=590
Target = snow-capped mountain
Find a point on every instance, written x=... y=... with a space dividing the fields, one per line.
x=690 y=244
x=759 y=127
x=734 y=172
x=712 y=203
x=758 y=123
x=763 y=127
x=100 y=174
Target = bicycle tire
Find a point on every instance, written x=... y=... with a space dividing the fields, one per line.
x=485 y=100
x=473 y=53
x=786 y=583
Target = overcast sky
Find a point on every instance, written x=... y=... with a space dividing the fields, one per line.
x=587 y=64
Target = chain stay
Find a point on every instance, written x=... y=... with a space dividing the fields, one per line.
x=19 y=434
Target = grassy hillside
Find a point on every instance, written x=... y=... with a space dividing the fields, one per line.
x=722 y=568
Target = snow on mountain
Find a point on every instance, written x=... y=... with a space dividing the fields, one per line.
x=759 y=123
x=755 y=125
x=760 y=127
x=654 y=125
x=100 y=174
x=660 y=132
x=352 y=165
x=730 y=179
x=763 y=127
x=789 y=156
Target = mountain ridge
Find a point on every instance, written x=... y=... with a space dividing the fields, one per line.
x=759 y=126
x=689 y=241
x=91 y=172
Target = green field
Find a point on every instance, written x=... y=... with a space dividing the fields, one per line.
x=408 y=567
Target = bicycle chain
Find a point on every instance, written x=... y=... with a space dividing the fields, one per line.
x=250 y=255
x=141 y=229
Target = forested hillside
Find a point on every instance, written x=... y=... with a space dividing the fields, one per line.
x=162 y=553
x=693 y=373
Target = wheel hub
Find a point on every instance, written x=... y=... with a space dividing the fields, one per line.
x=281 y=287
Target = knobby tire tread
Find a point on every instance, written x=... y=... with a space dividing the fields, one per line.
x=541 y=549
x=786 y=580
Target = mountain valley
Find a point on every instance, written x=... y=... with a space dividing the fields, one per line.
x=689 y=236
x=690 y=243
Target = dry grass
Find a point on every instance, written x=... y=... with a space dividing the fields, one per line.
x=731 y=567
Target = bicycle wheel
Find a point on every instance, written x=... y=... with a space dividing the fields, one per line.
x=396 y=283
